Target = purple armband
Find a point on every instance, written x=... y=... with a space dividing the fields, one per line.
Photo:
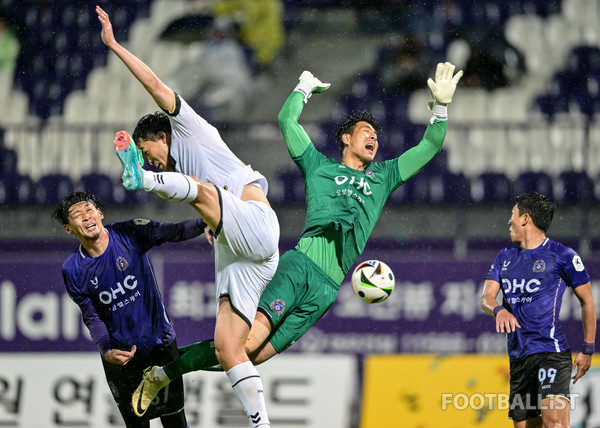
x=498 y=309
x=588 y=348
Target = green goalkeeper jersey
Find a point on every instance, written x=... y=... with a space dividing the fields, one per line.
x=344 y=204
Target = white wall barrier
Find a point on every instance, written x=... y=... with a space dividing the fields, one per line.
x=69 y=390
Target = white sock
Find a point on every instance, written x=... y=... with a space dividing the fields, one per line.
x=171 y=186
x=248 y=388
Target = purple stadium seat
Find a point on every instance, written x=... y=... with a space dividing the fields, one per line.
x=293 y=186
x=457 y=189
x=574 y=187
x=404 y=194
x=100 y=185
x=17 y=190
x=8 y=163
x=538 y=182
x=491 y=187
x=52 y=188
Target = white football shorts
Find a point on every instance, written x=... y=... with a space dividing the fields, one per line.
x=246 y=252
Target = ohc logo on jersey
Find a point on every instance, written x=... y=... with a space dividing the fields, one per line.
x=360 y=185
x=122 y=264
x=130 y=283
x=520 y=286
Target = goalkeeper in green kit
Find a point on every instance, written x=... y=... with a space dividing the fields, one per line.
x=343 y=203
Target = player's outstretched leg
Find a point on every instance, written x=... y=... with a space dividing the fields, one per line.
x=132 y=161
x=171 y=186
x=147 y=390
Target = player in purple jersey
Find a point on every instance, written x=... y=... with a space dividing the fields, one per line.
x=533 y=277
x=110 y=277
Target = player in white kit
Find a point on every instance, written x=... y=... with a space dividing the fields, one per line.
x=228 y=195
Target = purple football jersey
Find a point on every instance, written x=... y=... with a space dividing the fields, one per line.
x=533 y=283
x=118 y=289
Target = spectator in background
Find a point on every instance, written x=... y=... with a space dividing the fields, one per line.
x=261 y=25
x=9 y=47
x=403 y=69
x=492 y=62
x=217 y=80
x=483 y=70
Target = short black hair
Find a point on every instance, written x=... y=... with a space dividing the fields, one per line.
x=61 y=212
x=348 y=125
x=539 y=207
x=150 y=125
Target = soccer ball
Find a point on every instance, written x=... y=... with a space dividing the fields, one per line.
x=373 y=281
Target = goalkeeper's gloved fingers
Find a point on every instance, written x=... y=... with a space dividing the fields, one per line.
x=309 y=84
x=442 y=89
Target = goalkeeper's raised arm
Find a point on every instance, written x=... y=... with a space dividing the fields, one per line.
x=294 y=135
x=442 y=90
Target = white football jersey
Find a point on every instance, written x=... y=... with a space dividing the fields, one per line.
x=197 y=149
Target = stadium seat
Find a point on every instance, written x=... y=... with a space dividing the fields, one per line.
x=396 y=108
x=8 y=162
x=292 y=185
x=425 y=188
x=100 y=185
x=457 y=189
x=491 y=187
x=538 y=182
x=17 y=190
x=52 y=188
x=122 y=196
x=405 y=194
x=573 y=187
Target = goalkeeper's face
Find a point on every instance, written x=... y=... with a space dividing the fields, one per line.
x=362 y=144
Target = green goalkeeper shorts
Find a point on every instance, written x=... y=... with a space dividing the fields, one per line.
x=298 y=295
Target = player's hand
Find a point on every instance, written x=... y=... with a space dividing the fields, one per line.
x=209 y=236
x=506 y=322
x=309 y=84
x=107 y=34
x=582 y=363
x=118 y=357
x=445 y=83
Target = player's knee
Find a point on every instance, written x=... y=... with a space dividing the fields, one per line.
x=555 y=421
x=229 y=355
x=206 y=191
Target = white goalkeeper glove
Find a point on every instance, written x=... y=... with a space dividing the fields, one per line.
x=443 y=89
x=309 y=84
x=444 y=86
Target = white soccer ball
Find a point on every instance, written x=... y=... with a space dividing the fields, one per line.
x=373 y=281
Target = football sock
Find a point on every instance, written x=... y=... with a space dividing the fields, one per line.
x=197 y=356
x=171 y=186
x=248 y=388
